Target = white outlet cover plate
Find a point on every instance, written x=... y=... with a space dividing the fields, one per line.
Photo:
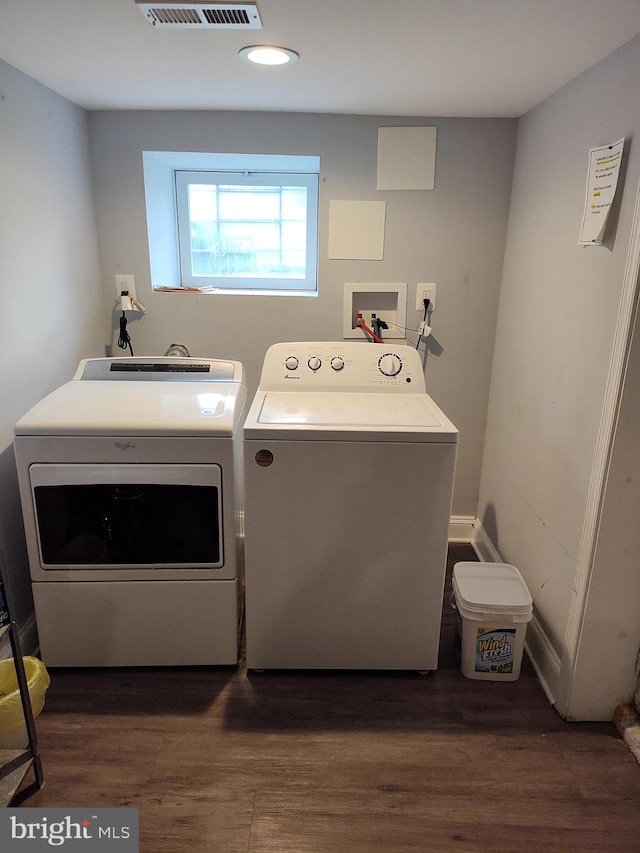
x=421 y=287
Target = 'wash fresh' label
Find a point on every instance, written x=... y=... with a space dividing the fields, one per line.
x=494 y=649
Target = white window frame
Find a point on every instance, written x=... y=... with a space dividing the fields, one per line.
x=249 y=179
x=160 y=169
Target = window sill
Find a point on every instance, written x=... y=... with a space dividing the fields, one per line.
x=226 y=291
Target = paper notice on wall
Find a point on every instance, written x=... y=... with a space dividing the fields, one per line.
x=602 y=181
x=356 y=230
x=406 y=158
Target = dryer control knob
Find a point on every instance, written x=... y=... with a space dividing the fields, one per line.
x=291 y=362
x=314 y=363
x=390 y=364
x=337 y=362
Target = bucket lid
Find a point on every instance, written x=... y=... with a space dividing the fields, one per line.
x=491 y=586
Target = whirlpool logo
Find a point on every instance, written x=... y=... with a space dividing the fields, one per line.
x=69 y=829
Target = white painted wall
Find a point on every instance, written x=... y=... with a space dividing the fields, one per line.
x=556 y=324
x=51 y=298
x=452 y=235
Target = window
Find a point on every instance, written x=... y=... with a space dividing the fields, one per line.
x=247 y=229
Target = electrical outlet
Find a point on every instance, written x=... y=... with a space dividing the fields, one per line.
x=125 y=283
x=425 y=291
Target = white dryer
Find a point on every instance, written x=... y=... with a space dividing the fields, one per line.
x=349 y=468
x=130 y=483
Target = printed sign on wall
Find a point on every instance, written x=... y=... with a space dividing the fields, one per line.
x=602 y=181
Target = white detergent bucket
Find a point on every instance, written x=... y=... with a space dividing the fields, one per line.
x=494 y=607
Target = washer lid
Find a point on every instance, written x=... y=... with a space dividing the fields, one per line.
x=308 y=415
x=136 y=408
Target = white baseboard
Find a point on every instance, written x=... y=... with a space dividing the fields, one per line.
x=462 y=528
x=468 y=528
x=543 y=656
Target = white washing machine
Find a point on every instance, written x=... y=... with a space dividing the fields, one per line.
x=349 y=469
x=130 y=483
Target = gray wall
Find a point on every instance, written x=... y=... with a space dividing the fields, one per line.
x=556 y=325
x=453 y=235
x=51 y=300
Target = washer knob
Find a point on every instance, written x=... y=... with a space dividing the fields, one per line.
x=337 y=362
x=314 y=363
x=291 y=362
x=390 y=364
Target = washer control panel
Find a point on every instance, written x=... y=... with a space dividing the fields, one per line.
x=343 y=365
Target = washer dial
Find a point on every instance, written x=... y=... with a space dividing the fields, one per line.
x=337 y=362
x=390 y=364
x=291 y=362
x=315 y=363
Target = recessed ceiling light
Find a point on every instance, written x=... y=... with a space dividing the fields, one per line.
x=267 y=54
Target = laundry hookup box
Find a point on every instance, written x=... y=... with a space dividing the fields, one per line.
x=493 y=607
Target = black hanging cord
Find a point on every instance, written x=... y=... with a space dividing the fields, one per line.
x=124 y=340
x=426 y=303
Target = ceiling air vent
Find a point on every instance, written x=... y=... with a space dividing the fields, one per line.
x=228 y=16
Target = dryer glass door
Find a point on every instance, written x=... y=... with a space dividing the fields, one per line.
x=128 y=516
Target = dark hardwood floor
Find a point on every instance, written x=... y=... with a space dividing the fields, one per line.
x=220 y=760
